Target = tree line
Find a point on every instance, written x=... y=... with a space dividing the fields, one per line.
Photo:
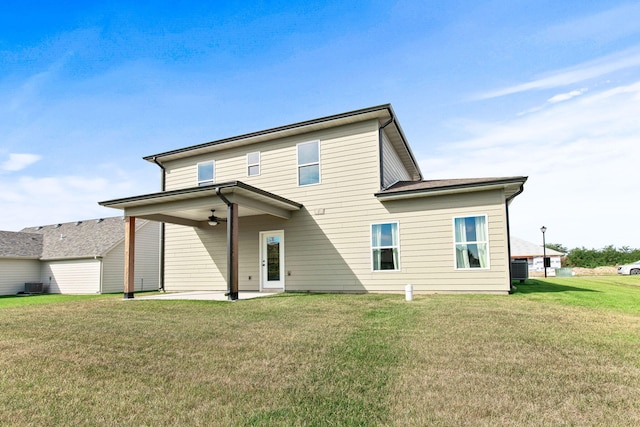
x=592 y=258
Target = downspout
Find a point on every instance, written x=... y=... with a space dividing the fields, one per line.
x=162 y=243
x=101 y=290
x=231 y=294
x=506 y=207
x=380 y=155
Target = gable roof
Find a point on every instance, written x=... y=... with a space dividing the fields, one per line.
x=522 y=248
x=383 y=113
x=20 y=245
x=407 y=189
x=80 y=239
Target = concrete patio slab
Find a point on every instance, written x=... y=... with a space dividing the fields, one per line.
x=204 y=295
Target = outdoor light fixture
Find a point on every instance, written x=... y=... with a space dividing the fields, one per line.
x=544 y=250
x=214 y=220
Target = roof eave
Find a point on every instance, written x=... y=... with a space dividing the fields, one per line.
x=404 y=140
x=376 y=112
x=453 y=189
x=70 y=257
x=18 y=257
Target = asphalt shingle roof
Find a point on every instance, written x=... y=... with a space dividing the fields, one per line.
x=405 y=186
x=522 y=248
x=80 y=239
x=20 y=245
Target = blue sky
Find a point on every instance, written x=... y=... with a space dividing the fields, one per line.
x=546 y=89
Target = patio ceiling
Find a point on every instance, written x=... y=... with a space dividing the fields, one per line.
x=192 y=206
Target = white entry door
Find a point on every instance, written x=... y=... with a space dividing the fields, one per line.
x=272 y=259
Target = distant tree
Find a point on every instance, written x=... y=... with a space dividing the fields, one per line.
x=557 y=247
x=607 y=256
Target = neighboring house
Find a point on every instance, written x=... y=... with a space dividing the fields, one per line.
x=534 y=255
x=335 y=204
x=19 y=260
x=82 y=257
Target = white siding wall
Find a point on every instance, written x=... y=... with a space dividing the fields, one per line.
x=328 y=242
x=393 y=169
x=15 y=272
x=72 y=276
x=147 y=262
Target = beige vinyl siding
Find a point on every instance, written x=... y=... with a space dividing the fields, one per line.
x=327 y=242
x=15 y=272
x=195 y=258
x=279 y=161
x=195 y=261
x=393 y=169
x=81 y=276
x=147 y=264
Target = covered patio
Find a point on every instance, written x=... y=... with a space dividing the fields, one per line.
x=199 y=207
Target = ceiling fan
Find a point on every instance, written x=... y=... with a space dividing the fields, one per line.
x=214 y=220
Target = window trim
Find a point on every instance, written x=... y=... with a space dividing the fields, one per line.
x=206 y=181
x=455 y=243
x=317 y=141
x=249 y=165
x=398 y=245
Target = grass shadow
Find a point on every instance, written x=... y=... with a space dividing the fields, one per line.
x=531 y=286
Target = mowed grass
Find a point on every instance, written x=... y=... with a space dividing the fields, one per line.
x=557 y=352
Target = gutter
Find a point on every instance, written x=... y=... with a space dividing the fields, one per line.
x=380 y=151
x=506 y=208
x=162 y=224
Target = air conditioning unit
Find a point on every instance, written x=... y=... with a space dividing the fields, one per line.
x=33 y=288
x=519 y=270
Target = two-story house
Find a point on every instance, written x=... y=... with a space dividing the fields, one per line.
x=335 y=204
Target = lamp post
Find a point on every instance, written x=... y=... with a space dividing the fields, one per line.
x=544 y=250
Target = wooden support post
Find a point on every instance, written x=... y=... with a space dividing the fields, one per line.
x=129 y=255
x=232 y=250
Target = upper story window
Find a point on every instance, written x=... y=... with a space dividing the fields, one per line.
x=309 y=163
x=206 y=172
x=385 y=247
x=471 y=242
x=253 y=163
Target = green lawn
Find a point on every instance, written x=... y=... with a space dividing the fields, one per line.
x=556 y=352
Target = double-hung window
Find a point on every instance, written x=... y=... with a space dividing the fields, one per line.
x=206 y=173
x=253 y=163
x=385 y=247
x=471 y=242
x=309 y=163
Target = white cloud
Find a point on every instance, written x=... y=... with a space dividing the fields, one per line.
x=629 y=58
x=581 y=157
x=30 y=201
x=566 y=96
x=18 y=162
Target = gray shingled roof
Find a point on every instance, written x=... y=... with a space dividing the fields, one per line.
x=20 y=245
x=438 y=184
x=522 y=248
x=81 y=239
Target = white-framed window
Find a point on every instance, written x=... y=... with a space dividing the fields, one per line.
x=471 y=242
x=253 y=163
x=385 y=246
x=309 y=163
x=206 y=172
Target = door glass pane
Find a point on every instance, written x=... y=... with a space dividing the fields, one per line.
x=273 y=258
